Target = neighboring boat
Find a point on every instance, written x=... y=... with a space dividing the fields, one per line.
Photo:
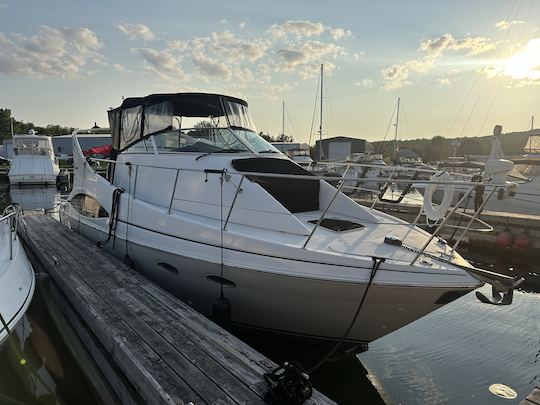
x=17 y=279
x=33 y=160
x=524 y=171
x=211 y=209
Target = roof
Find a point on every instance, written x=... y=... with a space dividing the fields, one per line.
x=343 y=139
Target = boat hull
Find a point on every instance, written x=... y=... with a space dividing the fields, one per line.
x=17 y=284
x=307 y=307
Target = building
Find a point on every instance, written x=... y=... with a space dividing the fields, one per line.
x=63 y=144
x=339 y=147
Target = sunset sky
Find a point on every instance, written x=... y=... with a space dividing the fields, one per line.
x=459 y=67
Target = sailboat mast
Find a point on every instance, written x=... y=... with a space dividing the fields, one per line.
x=283 y=123
x=321 y=118
x=532 y=122
x=396 y=133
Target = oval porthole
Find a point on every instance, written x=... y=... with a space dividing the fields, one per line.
x=169 y=267
x=219 y=280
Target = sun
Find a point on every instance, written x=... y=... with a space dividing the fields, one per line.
x=525 y=64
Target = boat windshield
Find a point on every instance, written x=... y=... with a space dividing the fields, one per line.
x=28 y=146
x=206 y=140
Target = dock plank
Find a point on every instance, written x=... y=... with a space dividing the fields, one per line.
x=106 y=279
x=533 y=398
x=167 y=351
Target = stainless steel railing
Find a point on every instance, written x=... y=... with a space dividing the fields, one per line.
x=341 y=180
x=11 y=217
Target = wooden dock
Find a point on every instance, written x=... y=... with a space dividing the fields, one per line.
x=533 y=398
x=148 y=346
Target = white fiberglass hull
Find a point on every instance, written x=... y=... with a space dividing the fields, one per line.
x=309 y=307
x=17 y=282
x=25 y=170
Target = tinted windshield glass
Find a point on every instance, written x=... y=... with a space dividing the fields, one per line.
x=255 y=141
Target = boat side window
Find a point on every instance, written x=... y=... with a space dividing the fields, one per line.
x=88 y=206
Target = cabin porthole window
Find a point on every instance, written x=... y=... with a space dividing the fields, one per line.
x=88 y=206
x=219 y=280
x=169 y=267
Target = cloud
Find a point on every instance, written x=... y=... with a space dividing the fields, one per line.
x=53 y=52
x=298 y=28
x=365 y=83
x=504 y=25
x=433 y=49
x=119 y=68
x=306 y=58
x=208 y=67
x=473 y=45
x=136 y=31
x=444 y=81
x=163 y=64
x=266 y=64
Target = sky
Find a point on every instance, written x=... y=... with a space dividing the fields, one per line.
x=458 y=67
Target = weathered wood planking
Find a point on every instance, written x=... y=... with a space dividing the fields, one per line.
x=168 y=352
x=533 y=398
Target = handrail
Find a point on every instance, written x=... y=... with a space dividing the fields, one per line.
x=314 y=177
x=342 y=180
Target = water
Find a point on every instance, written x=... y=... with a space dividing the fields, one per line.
x=451 y=356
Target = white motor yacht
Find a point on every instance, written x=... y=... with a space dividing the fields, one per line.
x=199 y=203
x=33 y=160
x=524 y=171
x=17 y=279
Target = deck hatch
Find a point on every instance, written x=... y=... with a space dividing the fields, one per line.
x=337 y=225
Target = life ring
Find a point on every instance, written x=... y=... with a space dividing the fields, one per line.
x=435 y=213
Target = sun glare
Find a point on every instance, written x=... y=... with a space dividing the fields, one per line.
x=525 y=64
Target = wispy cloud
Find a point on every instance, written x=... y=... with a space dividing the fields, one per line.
x=136 y=31
x=53 y=52
x=398 y=75
x=504 y=25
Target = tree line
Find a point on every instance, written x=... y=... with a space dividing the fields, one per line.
x=438 y=147
x=22 y=127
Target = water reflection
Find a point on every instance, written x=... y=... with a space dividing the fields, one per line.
x=35 y=198
x=36 y=365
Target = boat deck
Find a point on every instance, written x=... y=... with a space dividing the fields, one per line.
x=149 y=346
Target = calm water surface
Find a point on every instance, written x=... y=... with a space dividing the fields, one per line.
x=451 y=356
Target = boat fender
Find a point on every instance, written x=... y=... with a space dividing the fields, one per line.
x=436 y=213
x=500 y=194
x=504 y=239
x=289 y=385
x=523 y=240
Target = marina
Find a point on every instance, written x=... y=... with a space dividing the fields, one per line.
x=303 y=203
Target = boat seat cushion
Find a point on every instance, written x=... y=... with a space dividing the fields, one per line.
x=296 y=195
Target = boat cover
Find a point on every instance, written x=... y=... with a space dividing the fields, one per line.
x=140 y=117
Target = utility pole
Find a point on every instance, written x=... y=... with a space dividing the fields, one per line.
x=321 y=119
x=11 y=125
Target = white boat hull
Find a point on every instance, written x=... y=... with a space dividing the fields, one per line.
x=17 y=282
x=308 y=307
